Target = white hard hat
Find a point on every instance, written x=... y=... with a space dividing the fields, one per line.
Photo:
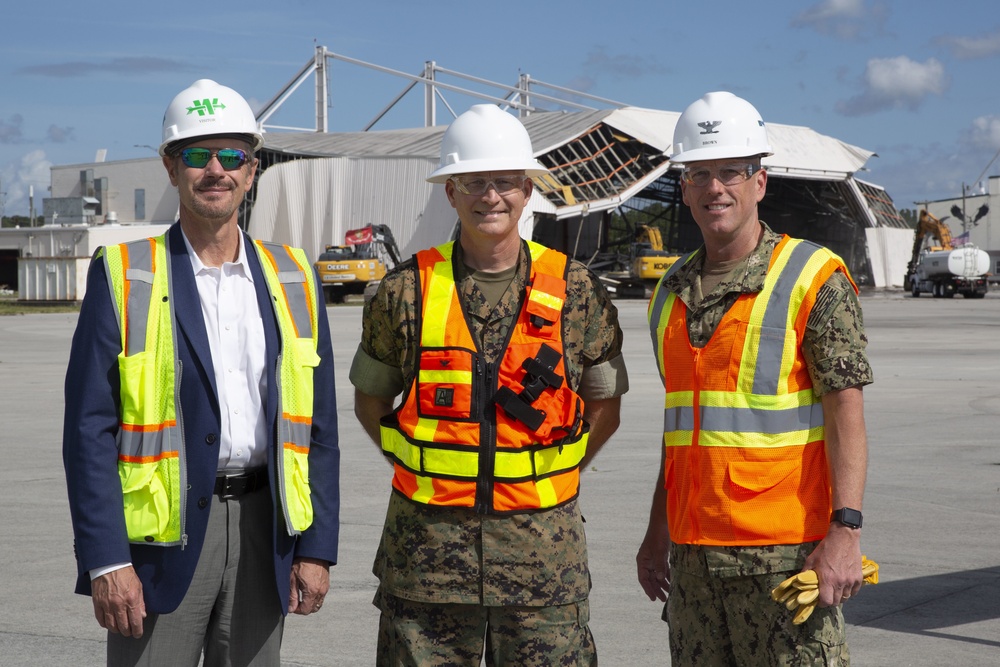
x=718 y=126
x=207 y=109
x=485 y=138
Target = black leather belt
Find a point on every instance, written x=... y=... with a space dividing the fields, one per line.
x=234 y=486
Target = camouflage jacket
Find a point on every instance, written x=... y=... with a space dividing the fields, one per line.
x=453 y=555
x=834 y=349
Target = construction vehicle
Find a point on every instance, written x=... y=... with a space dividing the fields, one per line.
x=634 y=276
x=649 y=260
x=355 y=269
x=944 y=270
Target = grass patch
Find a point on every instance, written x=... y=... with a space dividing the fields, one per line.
x=9 y=305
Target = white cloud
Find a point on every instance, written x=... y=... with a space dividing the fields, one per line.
x=843 y=19
x=833 y=9
x=984 y=132
x=896 y=83
x=972 y=48
x=17 y=178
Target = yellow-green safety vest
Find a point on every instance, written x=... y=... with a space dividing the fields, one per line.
x=151 y=463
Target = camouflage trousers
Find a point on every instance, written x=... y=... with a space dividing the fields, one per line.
x=419 y=634
x=731 y=621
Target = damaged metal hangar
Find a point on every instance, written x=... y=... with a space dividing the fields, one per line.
x=610 y=173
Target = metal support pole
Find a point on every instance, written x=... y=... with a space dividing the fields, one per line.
x=524 y=88
x=965 y=225
x=430 y=116
x=321 y=90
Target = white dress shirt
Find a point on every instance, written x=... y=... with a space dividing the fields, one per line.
x=236 y=339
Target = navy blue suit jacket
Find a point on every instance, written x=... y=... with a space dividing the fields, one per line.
x=92 y=420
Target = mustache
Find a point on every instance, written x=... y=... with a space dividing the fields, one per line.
x=215 y=181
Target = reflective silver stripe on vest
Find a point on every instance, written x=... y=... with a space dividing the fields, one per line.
x=146 y=443
x=678 y=419
x=771 y=350
x=297 y=432
x=761 y=421
x=744 y=419
x=659 y=300
x=290 y=273
x=139 y=275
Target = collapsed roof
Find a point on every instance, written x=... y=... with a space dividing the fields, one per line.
x=603 y=160
x=598 y=158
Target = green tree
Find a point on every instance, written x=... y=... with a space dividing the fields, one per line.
x=15 y=221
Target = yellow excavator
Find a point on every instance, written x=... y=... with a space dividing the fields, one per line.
x=634 y=276
x=354 y=269
x=649 y=260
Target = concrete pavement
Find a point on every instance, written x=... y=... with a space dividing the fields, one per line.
x=932 y=509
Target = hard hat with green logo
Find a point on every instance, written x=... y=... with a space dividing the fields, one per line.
x=209 y=109
x=719 y=126
x=485 y=138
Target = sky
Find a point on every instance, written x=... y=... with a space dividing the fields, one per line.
x=917 y=83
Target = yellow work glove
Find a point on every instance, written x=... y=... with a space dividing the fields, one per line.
x=869 y=569
x=799 y=593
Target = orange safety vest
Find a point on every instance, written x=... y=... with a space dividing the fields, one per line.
x=743 y=430
x=499 y=437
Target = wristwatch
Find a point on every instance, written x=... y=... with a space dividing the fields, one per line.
x=847 y=516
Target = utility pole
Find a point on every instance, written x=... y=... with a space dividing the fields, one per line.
x=965 y=224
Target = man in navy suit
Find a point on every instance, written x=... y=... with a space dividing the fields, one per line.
x=200 y=435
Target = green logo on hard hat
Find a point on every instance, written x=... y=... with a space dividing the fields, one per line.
x=206 y=106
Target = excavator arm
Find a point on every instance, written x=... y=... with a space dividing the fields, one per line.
x=928 y=225
x=383 y=234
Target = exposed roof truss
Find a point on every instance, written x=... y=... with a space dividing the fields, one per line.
x=600 y=164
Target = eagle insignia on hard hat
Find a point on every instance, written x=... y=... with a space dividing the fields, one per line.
x=708 y=126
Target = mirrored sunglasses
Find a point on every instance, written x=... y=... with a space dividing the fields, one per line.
x=229 y=158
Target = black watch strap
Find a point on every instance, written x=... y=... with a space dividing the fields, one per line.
x=847 y=516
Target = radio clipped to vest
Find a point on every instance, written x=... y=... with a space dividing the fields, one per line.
x=539 y=376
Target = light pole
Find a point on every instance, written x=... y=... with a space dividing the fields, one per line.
x=145 y=146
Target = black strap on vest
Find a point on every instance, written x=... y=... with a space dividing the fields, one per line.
x=539 y=375
x=539 y=322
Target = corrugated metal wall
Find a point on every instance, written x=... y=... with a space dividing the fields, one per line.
x=311 y=203
x=52 y=278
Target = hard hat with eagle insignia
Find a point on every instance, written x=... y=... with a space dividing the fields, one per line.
x=718 y=126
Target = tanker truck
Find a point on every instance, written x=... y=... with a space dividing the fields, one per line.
x=944 y=270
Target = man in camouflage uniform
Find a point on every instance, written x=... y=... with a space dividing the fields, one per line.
x=717 y=591
x=452 y=577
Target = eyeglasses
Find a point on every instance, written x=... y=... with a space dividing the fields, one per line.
x=478 y=186
x=727 y=174
x=229 y=158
